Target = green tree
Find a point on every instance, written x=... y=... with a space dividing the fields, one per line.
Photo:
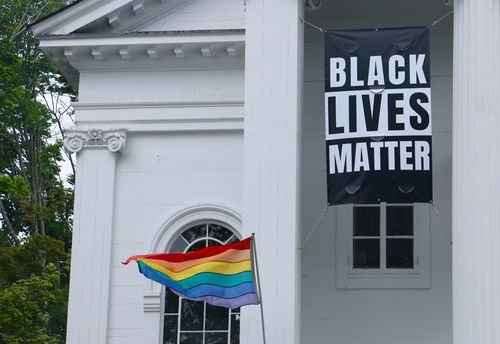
x=36 y=206
x=25 y=305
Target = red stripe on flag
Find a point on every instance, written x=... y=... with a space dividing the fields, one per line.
x=202 y=253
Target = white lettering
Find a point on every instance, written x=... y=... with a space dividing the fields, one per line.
x=354 y=73
x=391 y=149
x=417 y=69
x=376 y=154
x=404 y=155
x=375 y=71
x=361 y=159
x=396 y=77
x=422 y=159
x=340 y=161
x=337 y=72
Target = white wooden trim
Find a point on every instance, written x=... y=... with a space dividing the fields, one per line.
x=476 y=162
x=272 y=140
x=177 y=222
x=159 y=104
x=226 y=124
x=88 y=309
x=78 y=16
x=92 y=41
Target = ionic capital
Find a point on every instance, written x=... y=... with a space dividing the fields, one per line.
x=113 y=140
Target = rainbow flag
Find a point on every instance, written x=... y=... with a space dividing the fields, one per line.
x=220 y=275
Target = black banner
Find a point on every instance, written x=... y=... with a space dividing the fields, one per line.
x=378 y=116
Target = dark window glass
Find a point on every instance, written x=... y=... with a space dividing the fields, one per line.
x=399 y=220
x=191 y=316
x=235 y=329
x=199 y=245
x=216 y=337
x=232 y=240
x=400 y=253
x=195 y=232
x=171 y=302
x=179 y=245
x=170 y=329
x=191 y=338
x=217 y=318
x=366 y=254
x=366 y=221
x=219 y=232
x=213 y=243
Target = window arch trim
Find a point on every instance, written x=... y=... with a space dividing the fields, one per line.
x=173 y=226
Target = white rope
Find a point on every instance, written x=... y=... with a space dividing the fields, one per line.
x=314 y=26
x=429 y=26
x=440 y=19
x=314 y=226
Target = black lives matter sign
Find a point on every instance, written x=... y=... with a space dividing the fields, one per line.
x=378 y=116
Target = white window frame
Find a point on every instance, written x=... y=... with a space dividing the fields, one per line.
x=231 y=312
x=161 y=241
x=349 y=278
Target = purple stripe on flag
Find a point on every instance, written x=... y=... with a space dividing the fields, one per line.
x=247 y=299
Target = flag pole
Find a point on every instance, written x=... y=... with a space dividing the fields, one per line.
x=257 y=281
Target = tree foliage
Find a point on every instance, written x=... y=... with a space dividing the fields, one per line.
x=33 y=296
x=36 y=205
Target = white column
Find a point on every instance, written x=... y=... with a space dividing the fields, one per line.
x=476 y=172
x=92 y=233
x=273 y=92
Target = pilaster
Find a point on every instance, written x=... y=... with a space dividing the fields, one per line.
x=92 y=232
x=273 y=93
x=476 y=164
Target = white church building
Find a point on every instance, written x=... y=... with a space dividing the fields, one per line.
x=199 y=122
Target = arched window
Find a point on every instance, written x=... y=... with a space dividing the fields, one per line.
x=194 y=322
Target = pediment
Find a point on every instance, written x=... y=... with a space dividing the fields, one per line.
x=123 y=16
x=97 y=34
x=200 y=15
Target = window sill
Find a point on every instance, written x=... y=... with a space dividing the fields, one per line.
x=385 y=280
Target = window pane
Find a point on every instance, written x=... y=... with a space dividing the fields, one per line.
x=170 y=329
x=191 y=338
x=199 y=245
x=216 y=337
x=235 y=329
x=192 y=316
x=217 y=318
x=195 y=232
x=232 y=240
x=179 y=245
x=366 y=221
x=400 y=253
x=399 y=220
x=213 y=243
x=171 y=302
x=219 y=232
x=366 y=254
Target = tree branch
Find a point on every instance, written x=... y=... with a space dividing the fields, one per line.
x=6 y=220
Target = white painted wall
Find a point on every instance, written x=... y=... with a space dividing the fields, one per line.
x=377 y=316
x=157 y=175
x=184 y=147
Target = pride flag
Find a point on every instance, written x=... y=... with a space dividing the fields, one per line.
x=220 y=275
